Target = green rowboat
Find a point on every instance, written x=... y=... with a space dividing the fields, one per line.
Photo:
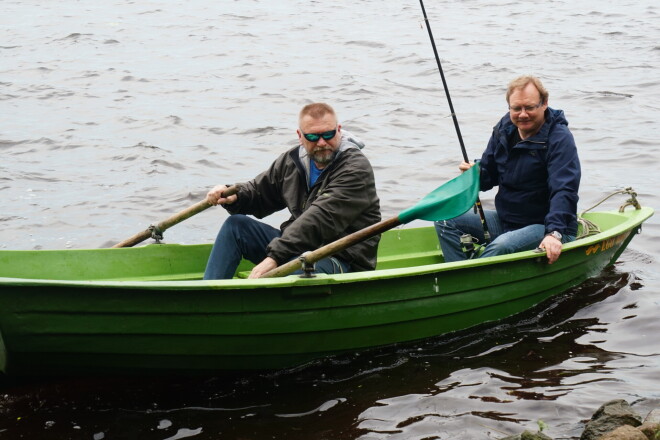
x=146 y=309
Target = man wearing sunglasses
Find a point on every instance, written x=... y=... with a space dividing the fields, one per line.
x=326 y=183
x=532 y=158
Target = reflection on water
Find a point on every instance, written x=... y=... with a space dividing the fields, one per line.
x=492 y=382
x=118 y=114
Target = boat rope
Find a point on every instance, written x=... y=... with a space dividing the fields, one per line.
x=590 y=228
x=632 y=201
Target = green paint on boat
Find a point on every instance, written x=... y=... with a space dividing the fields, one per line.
x=147 y=309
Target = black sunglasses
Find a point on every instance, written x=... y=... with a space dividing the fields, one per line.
x=326 y=135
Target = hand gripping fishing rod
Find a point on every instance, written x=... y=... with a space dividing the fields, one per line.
x=453 y=115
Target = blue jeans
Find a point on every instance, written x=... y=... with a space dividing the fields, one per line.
x=244 y=237
x=523 y=239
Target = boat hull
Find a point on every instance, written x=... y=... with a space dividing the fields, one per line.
x=148 y=311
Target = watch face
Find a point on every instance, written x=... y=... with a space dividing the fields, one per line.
x=556 y=234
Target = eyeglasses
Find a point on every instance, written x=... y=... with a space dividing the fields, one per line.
x=314 y=137
x=528 y=108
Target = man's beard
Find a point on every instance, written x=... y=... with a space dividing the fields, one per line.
x=323 y=156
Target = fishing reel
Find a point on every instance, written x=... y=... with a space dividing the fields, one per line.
x=467 y=245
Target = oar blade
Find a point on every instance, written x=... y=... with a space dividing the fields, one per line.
x=448 y=200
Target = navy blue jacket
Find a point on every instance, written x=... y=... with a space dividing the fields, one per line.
x=538 y=178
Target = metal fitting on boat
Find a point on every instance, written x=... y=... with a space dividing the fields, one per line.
x=156 y=233
x=307 y=267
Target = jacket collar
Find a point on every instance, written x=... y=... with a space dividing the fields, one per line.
x=552 y=117
x=348 y=141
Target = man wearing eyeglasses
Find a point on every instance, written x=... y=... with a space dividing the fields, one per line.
x=532 y=158
x=328 y=186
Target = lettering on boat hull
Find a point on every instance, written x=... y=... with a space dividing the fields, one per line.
x=607 y=244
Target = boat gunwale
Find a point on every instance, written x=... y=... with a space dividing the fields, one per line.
x=634 y=218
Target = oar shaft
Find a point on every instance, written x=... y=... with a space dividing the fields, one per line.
x=334 y=247
x=173 y=220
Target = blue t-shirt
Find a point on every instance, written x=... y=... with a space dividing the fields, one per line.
x=314 y=173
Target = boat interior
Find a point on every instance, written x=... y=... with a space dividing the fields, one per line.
x=399 y=248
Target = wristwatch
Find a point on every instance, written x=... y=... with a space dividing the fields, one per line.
x=555 y=234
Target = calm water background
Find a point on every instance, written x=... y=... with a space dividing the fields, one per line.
x=118 y=114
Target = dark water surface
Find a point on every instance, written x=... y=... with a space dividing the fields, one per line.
x=118 y=114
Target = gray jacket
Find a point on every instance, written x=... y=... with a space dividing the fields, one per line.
x=343 y=200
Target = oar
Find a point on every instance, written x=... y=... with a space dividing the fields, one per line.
x=158 y=229
x=445 y=202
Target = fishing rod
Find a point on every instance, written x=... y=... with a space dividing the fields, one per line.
x=455 y=119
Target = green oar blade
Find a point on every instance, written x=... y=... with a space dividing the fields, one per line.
x=447 y=201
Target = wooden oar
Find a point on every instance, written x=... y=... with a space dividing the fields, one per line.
x=447 y=201
x=171 y=221
x=334 y=247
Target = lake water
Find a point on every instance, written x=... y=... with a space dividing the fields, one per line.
x=118 y=114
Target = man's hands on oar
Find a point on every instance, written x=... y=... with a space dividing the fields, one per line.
x=227 y=195
x=221 y=195
x=267 y=265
